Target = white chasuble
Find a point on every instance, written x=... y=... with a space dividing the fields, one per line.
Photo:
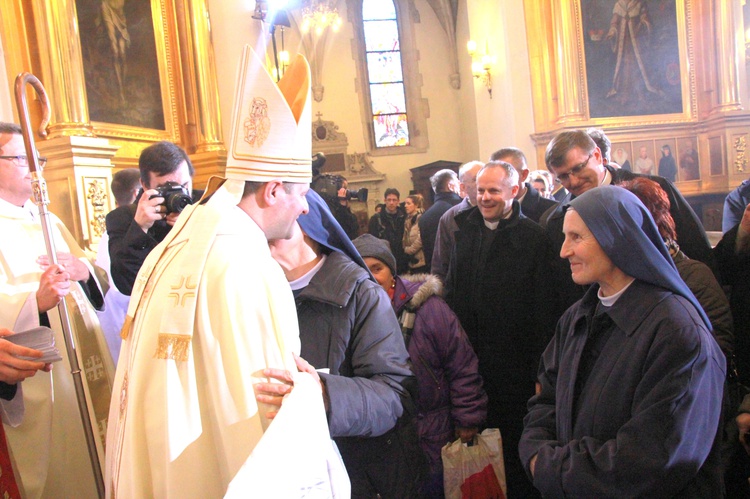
x=43 y=423
x=210 y=309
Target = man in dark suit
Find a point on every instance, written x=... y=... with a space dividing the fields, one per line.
x=532 y=203
x=135 y=229
x=501 y=287
x=578 y=165
x=446 y=186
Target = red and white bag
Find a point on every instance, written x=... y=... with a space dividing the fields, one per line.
x=476 y=471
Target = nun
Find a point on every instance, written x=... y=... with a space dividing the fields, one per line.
x=631 y=383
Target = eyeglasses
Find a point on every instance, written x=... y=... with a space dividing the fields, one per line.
x=564 y=177
x=23 y=160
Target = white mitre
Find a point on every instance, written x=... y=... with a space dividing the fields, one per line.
x=271 y=123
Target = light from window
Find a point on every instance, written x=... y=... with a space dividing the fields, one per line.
x=385 y=74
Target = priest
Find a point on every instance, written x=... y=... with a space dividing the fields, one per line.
x=41 y=419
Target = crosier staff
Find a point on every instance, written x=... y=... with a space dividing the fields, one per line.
x=41 y=199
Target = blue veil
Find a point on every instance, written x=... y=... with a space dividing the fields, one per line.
x=320 y=225
x=625 y=230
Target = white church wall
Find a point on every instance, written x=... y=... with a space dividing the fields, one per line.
x=507 y=118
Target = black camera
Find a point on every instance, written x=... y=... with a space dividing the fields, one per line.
x=328 y=186
x=176 y=197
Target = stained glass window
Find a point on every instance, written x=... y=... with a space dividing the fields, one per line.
x=385 y=73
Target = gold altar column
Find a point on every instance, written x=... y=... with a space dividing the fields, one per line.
x=79 y=168
x=570 y=78
x=62 y=66
x=729 y=48
x=79 y=174
x=208 y=153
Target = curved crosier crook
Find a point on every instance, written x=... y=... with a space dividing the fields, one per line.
x=23 y=109
x=41 y=199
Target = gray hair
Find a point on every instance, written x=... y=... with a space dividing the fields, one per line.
x=511 y=174
x=466 y=167
x=441 y=179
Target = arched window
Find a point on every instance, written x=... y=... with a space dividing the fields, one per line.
x=393 y=110
x=385 y=75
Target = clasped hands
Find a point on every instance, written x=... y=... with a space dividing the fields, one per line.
x=273 y=393
x=54 y=284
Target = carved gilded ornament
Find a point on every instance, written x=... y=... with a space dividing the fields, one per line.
x=96 y=198
x=740 y=148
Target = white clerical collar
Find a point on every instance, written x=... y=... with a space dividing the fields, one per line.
x=303 y=281
x=610 y=300
x=29 y=210
x=506 y=216
x=491 y=225
x=607 y=180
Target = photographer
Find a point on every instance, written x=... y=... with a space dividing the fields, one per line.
x=134 y=230
x=334 y=189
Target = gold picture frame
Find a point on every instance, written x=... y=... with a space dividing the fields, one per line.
x=652 y=63
x=560 y=69
x=165 y=45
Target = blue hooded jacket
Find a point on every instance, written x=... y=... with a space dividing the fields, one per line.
x=627 y=233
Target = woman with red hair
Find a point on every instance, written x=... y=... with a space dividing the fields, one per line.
x=696 y=274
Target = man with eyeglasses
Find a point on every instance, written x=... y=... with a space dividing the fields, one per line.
x=41 y=419
x=134 y=230
x=576 y=161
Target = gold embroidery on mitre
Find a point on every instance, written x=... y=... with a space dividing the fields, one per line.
x=257 y=124
x=173 y=347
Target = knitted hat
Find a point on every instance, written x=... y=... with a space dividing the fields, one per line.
x=271 y=123
x=369 y=245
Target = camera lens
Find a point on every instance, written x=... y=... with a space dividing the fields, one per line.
x=177 y=202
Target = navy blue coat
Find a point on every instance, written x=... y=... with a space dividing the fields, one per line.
x=649 y=412
x=734 y=206
x=428 y=222
x=533 y=205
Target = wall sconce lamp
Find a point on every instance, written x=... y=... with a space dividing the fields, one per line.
x=481 y=65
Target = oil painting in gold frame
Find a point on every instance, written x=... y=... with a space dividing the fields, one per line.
x=128 y=51
x=640 y=79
